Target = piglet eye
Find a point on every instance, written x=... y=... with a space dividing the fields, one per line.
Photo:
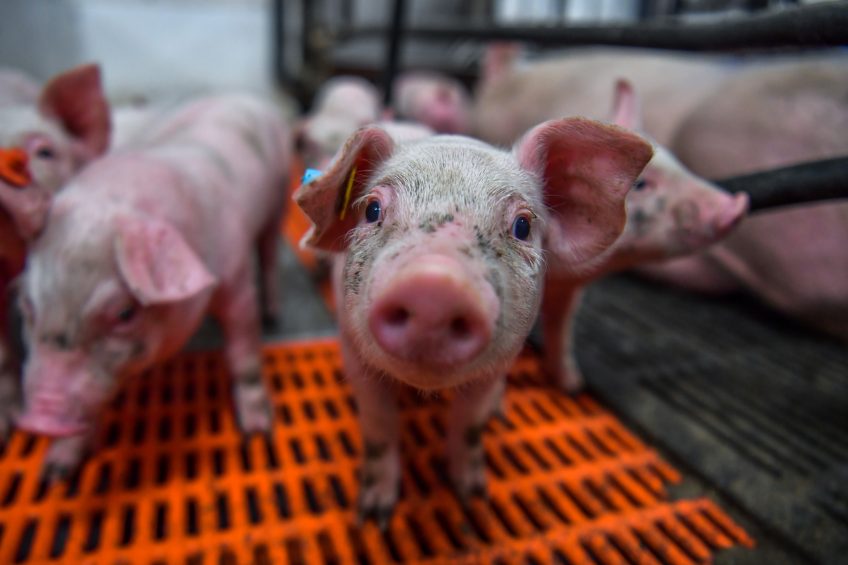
x=372 y=211
x=521 y=227
x=45 y=153
x=127 y=314
x=640 y=184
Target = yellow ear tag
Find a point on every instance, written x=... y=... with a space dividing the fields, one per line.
x=347 y=193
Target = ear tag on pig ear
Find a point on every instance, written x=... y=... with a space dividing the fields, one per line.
x=348 y=190
x=13 y=167
x=310 y=175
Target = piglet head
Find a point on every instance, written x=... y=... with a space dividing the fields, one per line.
x=69 y=127
x=443 y=240
x=671 y=211
x=101 y=303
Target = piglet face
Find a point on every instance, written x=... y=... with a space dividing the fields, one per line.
x=442 y=274
x=99 y=305
x=444 y=239
x=672 y=212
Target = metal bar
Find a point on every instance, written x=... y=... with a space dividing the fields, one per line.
x=278 y=35
x=822 y=25
x=798 y=184
x=393 y=46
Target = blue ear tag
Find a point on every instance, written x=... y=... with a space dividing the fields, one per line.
x=310 y=175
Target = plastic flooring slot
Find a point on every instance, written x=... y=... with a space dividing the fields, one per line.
x=567 y=482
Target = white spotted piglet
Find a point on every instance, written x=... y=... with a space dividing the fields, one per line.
x=137 y=249
x=441 y=254
x=46 y=135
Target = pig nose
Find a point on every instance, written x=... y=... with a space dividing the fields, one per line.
x=731 y=214
x=432 y=314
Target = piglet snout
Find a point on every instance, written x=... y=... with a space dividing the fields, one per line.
x=731 y=214
x=434 y=314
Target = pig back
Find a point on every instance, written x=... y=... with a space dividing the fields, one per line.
x=582 y=83
x=235 y=151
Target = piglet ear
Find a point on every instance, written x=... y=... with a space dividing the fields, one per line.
x=156 y=263
x=626 y=109
x=76 y=99
x=586 y=169
x=328 y=199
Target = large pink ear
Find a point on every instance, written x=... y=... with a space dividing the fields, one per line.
x=28 y=207
x=626 y=109
x=156 y=263
x=326 y=198
x=76 y=99
x=586 y=169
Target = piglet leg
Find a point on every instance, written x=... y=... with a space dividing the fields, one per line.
x=267 y=246
x=10 y=387
x=65 y=456
x=560 y=305
x=237 y=310
x=470 y=411
x=379 y=423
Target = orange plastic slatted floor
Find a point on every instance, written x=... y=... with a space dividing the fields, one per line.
x=175 y=482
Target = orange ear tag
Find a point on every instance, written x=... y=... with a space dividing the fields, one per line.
x=13 y=167
x=347 y=193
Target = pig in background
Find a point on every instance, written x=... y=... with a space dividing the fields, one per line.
x=793 y=259
x=343 y=105
x=46 y=135
x=435 y=100
x=670 y=213
x=137 y=248
x=511 y=98
x=439 y=268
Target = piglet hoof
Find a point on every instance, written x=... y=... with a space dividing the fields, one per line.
x=470 y=482
x=379 y=486
x=566 y=377
x=64 y=457
x=253 y=408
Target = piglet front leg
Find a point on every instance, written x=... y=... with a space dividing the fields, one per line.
x=65 y=456
x=470 y=411
x=10 y=397
x=560 y=304
x=379 y=423
x=237 y=309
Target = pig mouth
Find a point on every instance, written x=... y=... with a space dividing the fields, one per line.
x=50 y=426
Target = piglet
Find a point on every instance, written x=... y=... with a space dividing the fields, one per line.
x=440 y=262
x=670 y=213
x=342 y=105
x=137 y=248
x=46 y=135
x=435 y=100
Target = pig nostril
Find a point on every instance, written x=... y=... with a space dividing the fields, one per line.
x=397 y=317
x=460 y=328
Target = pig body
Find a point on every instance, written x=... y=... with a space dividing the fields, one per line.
x=438 y=101
x=138 y=248
x=793 y=258
x=440 y=264
x=343 y=104
x=56 y=129
x=670 y=213
x=516 y=98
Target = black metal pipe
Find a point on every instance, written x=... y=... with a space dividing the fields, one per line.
x=824 y=25
x=393 y=47
x=798 y=184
